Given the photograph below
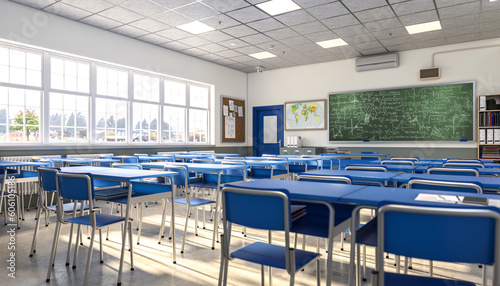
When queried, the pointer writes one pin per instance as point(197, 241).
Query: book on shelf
point(482, 102)
point(482, 136)
point(489, 136)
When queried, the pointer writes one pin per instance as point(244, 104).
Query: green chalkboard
point(424, 113)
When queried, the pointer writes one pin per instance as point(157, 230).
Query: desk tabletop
point(196, 166)
point(117, 174)
point(355, 175)
point(486, 182)
point(6, 164)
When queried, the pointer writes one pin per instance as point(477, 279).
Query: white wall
point(316, 81)
point(27, 25)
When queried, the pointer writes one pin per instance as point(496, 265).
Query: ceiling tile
point(272, 46)
point(220, 22)
point(311, 3)
point(247, 14)
point(174, 34)
point(370, 52)
point(303, 60)
point(340, 21)
point(351, 31)
point(176, 46)
point(488, 6)
point(153, 39)
point(463, 30)
point(129, 31)
point(345, 52)
point(226, 5)
point(367, 46)
point(307, 48)
point(459, 10)
point(430, 43)
point(172, 4)
point(216, 36)
point(197, 11)
point(492, 25)
point(490, 34)
point(328, 10)
point(210, 57)
point(386, 34)
point(439, 34)
point(225, 62)
point(266, 25)
point(101, 22)
point(213, 48)
point(295, 41)
point(492, 15)
point(375, 14)
point(239, 31)
point(295, 18)
point(39, 4)
point(233, 44)
point(410, 7)
point(322, 36)
point(194, 52)
point(256, 39)
point(396, 41)
point(445, 3)
point(326, 58)
point(278, 62)
point(194, 41)
point(400, 48)
point(93, 6)
point(249, 50)
point(359, 5)
point(291, 54)
point(311, 27)
point(149, 25)
point(282, 33)
point(360, 38)
point(116, 2)
point(229, 54)
point(67, 11)
point(419, 18)
point(146, 8)
point(462, 38)
point(243, 59)
point(121, 15)
point(460, 21)
point(386, 24)
point(172, 18)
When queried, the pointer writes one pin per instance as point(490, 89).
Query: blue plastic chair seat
point(272, 255)
point(411, 280)
point(194, 201)
point(101, 220)
point(368, 233)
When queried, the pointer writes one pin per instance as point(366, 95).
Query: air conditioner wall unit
point(377, 62)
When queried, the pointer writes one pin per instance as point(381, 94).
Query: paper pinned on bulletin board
point(240, 111)
point(230, 127)
point(231, 105)
point(226, 110)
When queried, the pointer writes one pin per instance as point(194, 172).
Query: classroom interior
point(142, 38)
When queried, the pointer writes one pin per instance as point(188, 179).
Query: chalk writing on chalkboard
point(426, 113)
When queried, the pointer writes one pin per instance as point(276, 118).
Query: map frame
point(294, 127)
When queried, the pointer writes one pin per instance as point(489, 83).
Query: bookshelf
point(489, 127)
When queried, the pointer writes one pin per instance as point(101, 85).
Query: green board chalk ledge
point(420, 113)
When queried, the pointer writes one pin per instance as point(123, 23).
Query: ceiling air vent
point(377, 62)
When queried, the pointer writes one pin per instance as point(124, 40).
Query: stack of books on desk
point(490, 152)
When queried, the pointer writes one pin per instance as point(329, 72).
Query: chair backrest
point(367, 168)
point(103, 156)
point(234, 158)
point(463, 165)
point(405, 158)
point(463, 161)
point(325, 179)
point(445, 186)
point(78, 187)
point(268, 155)
point(141, 154)
point(181, 177)
point(203, 161)
point(130, 159)
point(456, 233)
point(398, 162)
point(453, 171)
point(368, 158)
point(127, 166)
point(47, 179)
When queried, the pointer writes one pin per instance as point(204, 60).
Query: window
point(198, 96)
point(112, 82)
point(69, 75)
point(68, 118)
point(111, 120)
point(174, 124)
point(175, 92)
point(145, 125)
point(19, 115)
point(146, 88)
point(20, 67)
point(198, 126)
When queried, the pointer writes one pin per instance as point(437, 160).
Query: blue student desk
point(395, 167)
point(379, 177)
point(80, 161)
point(345, 156)
point(128, 175)
point(488, 183)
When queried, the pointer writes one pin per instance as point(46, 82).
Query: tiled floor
point(199, 265)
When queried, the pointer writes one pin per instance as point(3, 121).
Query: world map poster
point(305, 115)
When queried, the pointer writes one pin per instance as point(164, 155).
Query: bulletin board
point(233, 119)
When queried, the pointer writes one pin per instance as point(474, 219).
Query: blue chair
point(367, 168)
point(414, 159)
point(464, 161)
point(368, 158)
point(80, 188)
point(453, 171)
point(463, 165)
point(398, 162)
point(274, 214)
point(404, 230)
point(105, 157)
point(47, 183)
point(130, 159)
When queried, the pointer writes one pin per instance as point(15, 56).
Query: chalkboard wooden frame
point(240, 122)
point(356, 102)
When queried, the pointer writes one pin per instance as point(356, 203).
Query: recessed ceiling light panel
point(276, 7)
point(195, 28)
point(424, 27)
point(332, 43)
point(262, 55)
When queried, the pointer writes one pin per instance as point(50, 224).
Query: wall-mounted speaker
point(432, 73)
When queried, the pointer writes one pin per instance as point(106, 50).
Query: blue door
point(267, 129)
